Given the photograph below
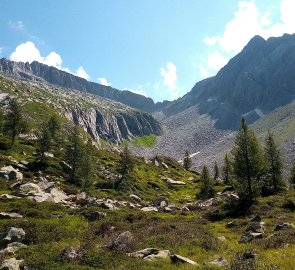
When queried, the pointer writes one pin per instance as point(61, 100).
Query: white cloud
point(104, 81)
point(82, 73)
point(247, 22)
point(169, 75)
point(28, 52)
point(17, 25)
point(139, 91)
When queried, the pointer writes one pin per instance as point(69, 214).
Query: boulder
point(12, 215)
point(256, 218)
point(135, 197)
point(150, 254)
point(220, 262)
point(149, 209)
point(96, 215)
point(123, 242)
point(12, 264)
point(232, 224)
point(71, 253)
point(256, 228)
point(58, 195)
point(283, 225)
point(249, 236)
point(170, 181)
point(10, 173)
point(179, 259)
point(30, 188)
point(13, 247)
point(10, 235)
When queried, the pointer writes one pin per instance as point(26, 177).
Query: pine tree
point(75, 155)
point(14, 123)
point(248, 163)
point(273, 182)
point(44, 144)
point(216, 171)
point(207, 190)
point(87, 166)
point(187, 161)
point(292, 176)
point(227, 169)
point(54, 125)
point(1, 121)
point(126, 166)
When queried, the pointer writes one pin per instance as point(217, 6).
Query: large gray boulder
point(10, 173)
point(175, 258)
point(12, 215)
point(150, 254)
point(11, 234)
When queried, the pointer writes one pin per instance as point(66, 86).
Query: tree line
point(251, 169)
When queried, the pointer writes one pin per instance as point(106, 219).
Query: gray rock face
point(40, 73)
point(256, 81)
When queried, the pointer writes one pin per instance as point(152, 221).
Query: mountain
point(100, 117)
point(255, 82)
point(39, 72)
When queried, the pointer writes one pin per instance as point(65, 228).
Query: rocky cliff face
point(43, 73)
point(100, 117)
point(255, 82)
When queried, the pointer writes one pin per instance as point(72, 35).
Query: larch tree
point(227, 169)
point(207, 190)
point(292, 176)
point(273, 181)
point(216, 171)
point(187, 161)
point(248, 163)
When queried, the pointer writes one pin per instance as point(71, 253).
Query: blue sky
point(159, 48)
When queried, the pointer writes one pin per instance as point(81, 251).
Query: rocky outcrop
point(42, 73)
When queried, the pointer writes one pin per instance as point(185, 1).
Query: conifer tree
point(75, 155)
point(44, 144)
point(187, 161)
point(14, 123)
point(248, 163)
point(292, 176)
point(216, 171)
point(53, 125)
point(1, 121)
point(207, 190)
point(227, 169)
point(273, 182)
point(87, 166)
point(126, 165)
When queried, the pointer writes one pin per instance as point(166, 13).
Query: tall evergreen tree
point(292, 176)
point(53, 125)
point(87, 166)
point(14, 123)
point(216, 171)
point(187, 161)
point(273, 182)
point(44, 144)
point(227, 169)
point(126, 166)
point(248, 162)
point(207, 190)
point(1, 121)
point(75, 155)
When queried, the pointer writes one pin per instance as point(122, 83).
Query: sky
point(157, 48)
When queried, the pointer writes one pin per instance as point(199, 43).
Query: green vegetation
point(207, 190)
point(147, 141)
point(187, 161)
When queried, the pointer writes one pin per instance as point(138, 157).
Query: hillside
point(100, 117)
point(154, 222)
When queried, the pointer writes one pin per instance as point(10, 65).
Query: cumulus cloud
point(82, 73)
point(28, 52)
point(169, 75)
point(247, 22)
point(104, 81)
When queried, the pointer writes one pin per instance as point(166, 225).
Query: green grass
point(147, 141)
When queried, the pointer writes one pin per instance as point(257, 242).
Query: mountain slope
point(100, 117)
point(40, 72)
point(253, 83)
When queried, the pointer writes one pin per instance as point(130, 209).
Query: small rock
point(221, 238)
point(149, 209)
point(232, 224)
point(47, 154)
point(179, 259)
point(191, 178)
point(135, 197)
point(97, 215)
point(150, 254)
point(170, 181)
point(282, 226)
point(249, 236)
point(71, 254)
point(30, 188)
point(220, 262)
point(257, 218)
point(13, 247)
point(12, 215)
